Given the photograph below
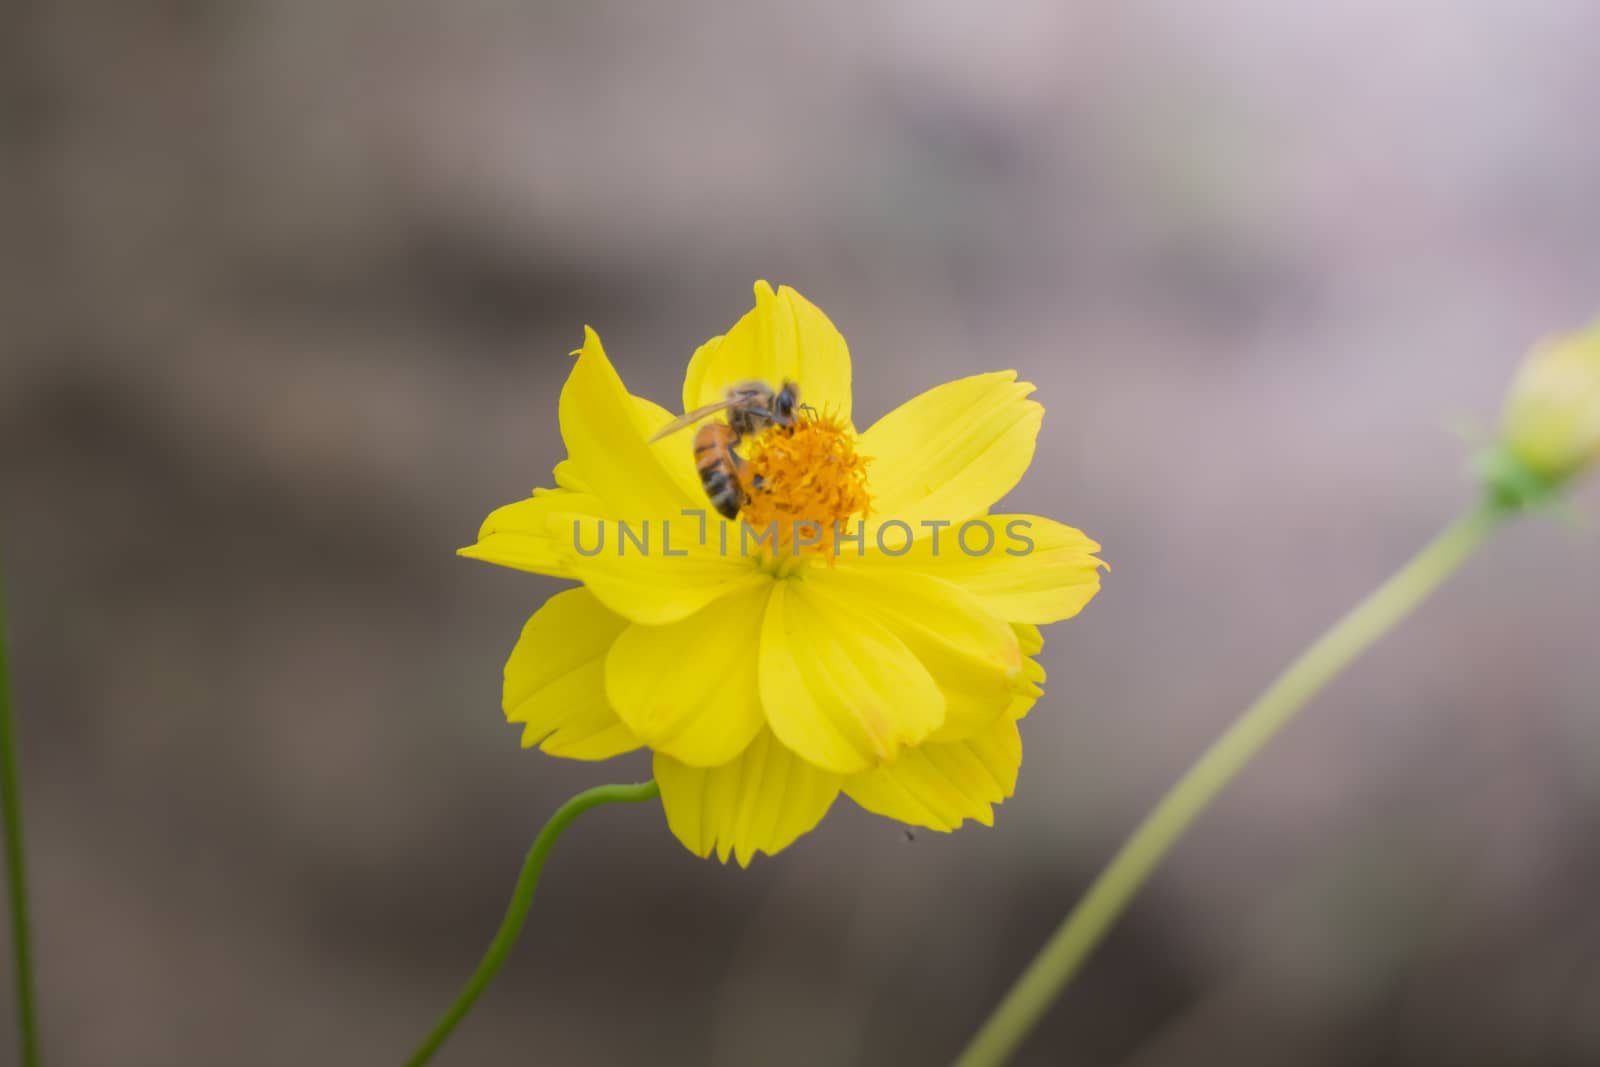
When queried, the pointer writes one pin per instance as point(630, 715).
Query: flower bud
point(1551, 424)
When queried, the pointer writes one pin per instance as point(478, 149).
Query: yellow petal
point(689, 688)
point(839, 688)
point(555, 680)
point(1029, 637)
point(1028, 691)
point(519, 535)
point(760, 802)
point(605, 430)
point(657, 571)
point(1022, 567)
point(938, 785)
point(675, 452)
point(973, 656)
point(951, 452)
point(783, 338)
point(567, 477)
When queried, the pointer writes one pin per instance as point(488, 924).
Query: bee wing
point(692, 417)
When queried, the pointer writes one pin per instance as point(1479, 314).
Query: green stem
point(521, 900)
point(16, 864)
point(1063, 955)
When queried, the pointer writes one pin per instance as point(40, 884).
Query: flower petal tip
point(590, 338)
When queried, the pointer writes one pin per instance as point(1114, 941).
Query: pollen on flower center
point(807, 473)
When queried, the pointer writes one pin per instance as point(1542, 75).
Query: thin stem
point(16, 863)
point(521, 900)
point(1063, 955)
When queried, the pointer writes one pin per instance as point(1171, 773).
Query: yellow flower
point(1551, 423)
point(879, 642)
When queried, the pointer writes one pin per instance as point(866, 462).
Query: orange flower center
point(809, 480)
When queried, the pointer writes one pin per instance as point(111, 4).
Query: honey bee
point(751, 408)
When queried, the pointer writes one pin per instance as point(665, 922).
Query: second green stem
point(1063, 955)
point(521, 901)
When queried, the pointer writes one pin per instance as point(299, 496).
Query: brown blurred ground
point(285, 297)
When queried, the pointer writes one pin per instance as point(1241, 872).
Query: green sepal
point(1510, 485)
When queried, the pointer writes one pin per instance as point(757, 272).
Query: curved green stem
point(521, 900)
point(16, 862)
point(1063, 955)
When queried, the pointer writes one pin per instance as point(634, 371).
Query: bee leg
point(741, 470)
point(753, 482)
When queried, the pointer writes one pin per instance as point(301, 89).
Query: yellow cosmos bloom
point(881, 644)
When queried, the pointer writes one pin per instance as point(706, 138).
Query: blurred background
point(286, 296)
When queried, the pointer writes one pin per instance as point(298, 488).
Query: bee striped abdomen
point(720, 467)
